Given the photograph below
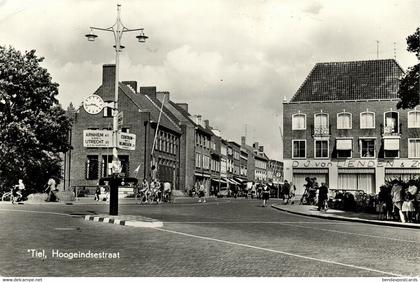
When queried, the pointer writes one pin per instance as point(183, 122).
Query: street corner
point(126, 220)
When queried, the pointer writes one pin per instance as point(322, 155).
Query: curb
point(134, 223)
point(343, 218)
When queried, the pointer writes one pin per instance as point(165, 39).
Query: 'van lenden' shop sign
point(357, 164)
point(103, 139)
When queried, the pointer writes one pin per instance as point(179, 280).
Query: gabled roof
point(188, 118)
point(356, 80)
point(144, 102)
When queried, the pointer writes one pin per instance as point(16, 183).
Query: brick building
point(275, 171)
point(342, 126)
point(257, 161)
point(86, 163)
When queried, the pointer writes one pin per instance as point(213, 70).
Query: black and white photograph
point(244, 140)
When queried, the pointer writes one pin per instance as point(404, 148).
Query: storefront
point(356, 179)
point(402, 173)
point(299, 175)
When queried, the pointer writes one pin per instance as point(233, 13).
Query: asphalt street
point(234, 237)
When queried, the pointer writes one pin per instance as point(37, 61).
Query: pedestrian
point(167, 191)
point(286, 192)
point(322, 196)
point(259, 190)
point(265, 194)
point(253, 190)
point(201, 193)
point(97, 193)
point(382, 203)
point(51, 187)
point(408, 206)
point(292, 194)
point(398, 199)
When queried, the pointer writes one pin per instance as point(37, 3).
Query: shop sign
point(97, 138)
point(126, 141)
point(356, 164)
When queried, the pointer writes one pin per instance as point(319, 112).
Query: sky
point(233, 61)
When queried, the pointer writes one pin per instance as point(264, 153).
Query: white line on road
point(350, 233)
point(280, 252)
point(261, 222)
point(30, 211)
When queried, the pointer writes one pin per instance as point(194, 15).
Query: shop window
point(414, 119)
point(414, 148)
point(367, 120)
point(391, 123)
point(344, 121)
point(92, 167)
point(367, 148)
point(299, 149)
point(321, 149)
point(299, 122)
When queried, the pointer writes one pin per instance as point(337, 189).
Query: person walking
point(201, 193)
point(286, 192)
point(322, 196)
point(51, 187)
point(292, 194)
point(97, 193)
point(265, 194)
point(398, 199)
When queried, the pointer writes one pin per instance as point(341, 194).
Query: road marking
point(261, 222)
point(31, 211)
point(280, 252)
point(351, 233)
point(66, 228)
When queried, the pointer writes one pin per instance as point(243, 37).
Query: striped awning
point(402, 170)
point(356, 170)
point(218, 180)
point(310, 170)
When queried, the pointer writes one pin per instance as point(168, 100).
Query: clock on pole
point(93, 104)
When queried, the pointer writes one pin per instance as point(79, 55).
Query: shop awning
point(310, 170)
point(402, 170)
point(218, 180)
point(240, 180)
point(344, 144)
point(392, 144)
point(233, 181)
point(356, 170)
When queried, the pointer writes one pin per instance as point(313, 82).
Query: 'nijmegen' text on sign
point(97, 138)
point(126, 141)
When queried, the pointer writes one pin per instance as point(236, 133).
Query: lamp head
point(141, 37)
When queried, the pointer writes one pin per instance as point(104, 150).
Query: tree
point(33, 126)
point(409, 91)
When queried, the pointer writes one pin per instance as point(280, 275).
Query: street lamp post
point(117, 29)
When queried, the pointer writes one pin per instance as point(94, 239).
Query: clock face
point(93, 104)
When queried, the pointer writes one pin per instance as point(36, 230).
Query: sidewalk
point(308, 210)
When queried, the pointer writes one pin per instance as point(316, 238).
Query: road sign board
point(126, 141)
point(120, 118)
point(97, 138)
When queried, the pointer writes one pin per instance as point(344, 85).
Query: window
point(414, 148)
point(299, 149)
point(108, 110)
point(125, 130)
point(344, 148)
point(321, 120)
point(414, 119)
point(206, 162)
point(391, 123)
point(92, 166)
point(197, 160)
point(321, 148)
point(391, 147)
point(344, 121)
point(367, 120)
point(367, 148)
point(298, 122)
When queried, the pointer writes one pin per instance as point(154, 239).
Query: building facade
point(343, 128)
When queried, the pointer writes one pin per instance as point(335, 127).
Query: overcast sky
point(232, 61)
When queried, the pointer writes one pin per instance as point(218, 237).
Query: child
point(408, 206)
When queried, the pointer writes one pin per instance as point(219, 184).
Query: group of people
point(19, 190)
point(399, 200)
point(155, 191)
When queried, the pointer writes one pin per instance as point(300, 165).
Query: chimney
point(255, 145)
point(161, 94)
point(261, 149)
point(108, 82)
point(206, 123)
point(199, 120)
point(183, 106)
point(243, 140)
point(131, 84)
point(148, 90)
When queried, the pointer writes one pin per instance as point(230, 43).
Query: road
point(234, 237)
